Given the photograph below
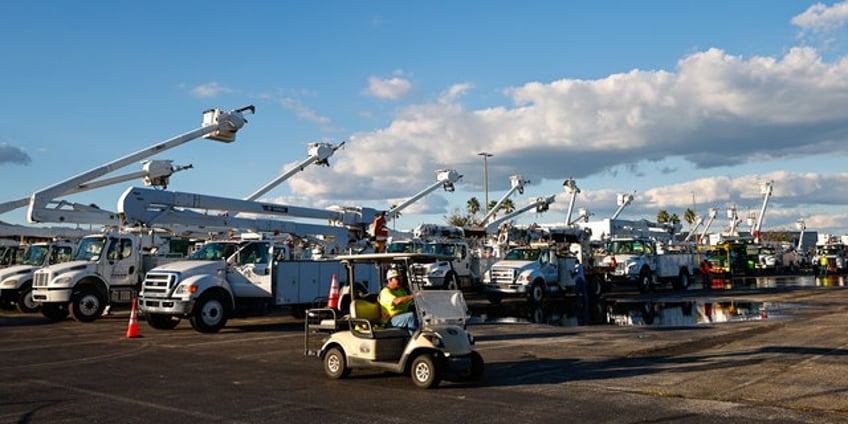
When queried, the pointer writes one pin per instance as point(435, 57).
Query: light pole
point(486, 156)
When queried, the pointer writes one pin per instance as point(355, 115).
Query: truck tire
point(87, 304)
point(451, 282)
point(54, 312)
point(645, 281)
point(494, 298)
point(209, 314)
point(425, 371)
point(596, 286)
point(537, 292)
point(335, 364)
point(682, 282)
point(162, 321)
point(25, 304)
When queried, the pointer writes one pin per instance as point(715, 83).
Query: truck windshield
point(90, 248)
point(625, 246)
point(522, 255)
point(214, 251)
point(35, 255)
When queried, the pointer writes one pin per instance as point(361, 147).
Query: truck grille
point(503, 275)
point(40, 279)
point(159, 284)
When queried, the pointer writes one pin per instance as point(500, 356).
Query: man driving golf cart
point(395, 304)
point(439, 346)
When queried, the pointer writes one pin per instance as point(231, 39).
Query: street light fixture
point(486, 156)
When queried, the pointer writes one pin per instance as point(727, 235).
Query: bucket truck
point(108, 266)
point(16, 281)
point(766, 191)
point(516, 184)
point(209, 289)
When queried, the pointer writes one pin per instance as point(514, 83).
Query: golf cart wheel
point(335, 364)
point(425, 371)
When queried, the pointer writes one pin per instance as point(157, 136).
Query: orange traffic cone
point(132, 328)
point(333, 299)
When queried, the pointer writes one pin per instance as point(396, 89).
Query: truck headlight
point(185, 288)
point(9, 283)
point(66, 280)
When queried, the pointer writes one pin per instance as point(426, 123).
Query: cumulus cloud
point(389, 88)
point(14, 155)
point(212, 89)
point(822, 18)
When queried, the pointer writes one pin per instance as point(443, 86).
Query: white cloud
point(822, 18)
point(212, 89)
point(390, 88)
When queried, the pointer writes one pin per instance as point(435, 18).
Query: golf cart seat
point(365, 322)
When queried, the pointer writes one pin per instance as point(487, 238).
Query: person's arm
point(402, 299)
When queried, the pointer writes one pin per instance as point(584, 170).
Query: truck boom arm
point(217, 125)
point(317, 153)
point(445, 178)
point(540, 204)
point(517, 184)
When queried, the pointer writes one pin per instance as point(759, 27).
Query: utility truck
point(16, 281)
point(645, 262)
point(542, 269)
point(106, 269)
point(11, 253)
point(462, 273)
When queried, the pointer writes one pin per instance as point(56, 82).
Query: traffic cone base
point(132, 327)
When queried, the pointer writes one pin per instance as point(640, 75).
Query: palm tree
point(508, 206)
point(473, 206)
point(663, 216)
point(689, 216)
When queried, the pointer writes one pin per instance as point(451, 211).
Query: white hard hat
point(393, 273)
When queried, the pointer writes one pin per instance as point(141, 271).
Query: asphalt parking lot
point(783, 363)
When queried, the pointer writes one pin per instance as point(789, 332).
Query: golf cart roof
point(394, 257)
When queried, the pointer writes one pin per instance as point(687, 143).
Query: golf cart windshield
point(441, 307)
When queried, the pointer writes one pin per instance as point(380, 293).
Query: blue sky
point(675, 101)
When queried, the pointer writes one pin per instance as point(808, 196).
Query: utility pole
point(486, 156)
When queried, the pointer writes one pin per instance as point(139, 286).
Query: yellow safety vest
point(387, 309)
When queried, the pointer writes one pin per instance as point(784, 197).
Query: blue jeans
point(407, 320)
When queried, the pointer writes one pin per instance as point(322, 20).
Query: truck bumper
point(163, 305)
point(62, 295)
point(506, 288)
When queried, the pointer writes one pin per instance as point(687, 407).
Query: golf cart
point(353, 337)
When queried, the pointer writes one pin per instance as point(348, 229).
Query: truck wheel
point(494, 298)
point(25, 303)
point(476, 371)
point(209, 314)
point(537, 292)
point(644, 281)
point(54, 311)
point(682, 282)
point(596, 286)
point(87, 304)
point(335, 364)
point(162, 321)
point(451, 282)
point(425, 371)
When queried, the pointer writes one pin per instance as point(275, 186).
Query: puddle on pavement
point(631, 312)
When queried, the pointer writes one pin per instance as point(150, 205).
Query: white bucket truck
point(539, 270)
point(16, 281)
point(645, 262)
point(107, 268)
point(237, 278)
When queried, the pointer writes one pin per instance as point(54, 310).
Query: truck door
point(249, 272)
point(120, 266)
point(549, 268)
